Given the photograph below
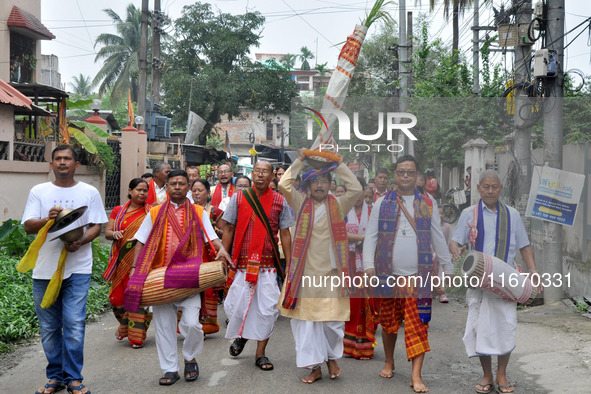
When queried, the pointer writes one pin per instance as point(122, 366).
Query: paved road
point(553, 354)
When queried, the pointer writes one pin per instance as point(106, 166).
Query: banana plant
point(76, 128)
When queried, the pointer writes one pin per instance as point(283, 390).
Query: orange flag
point(63, 122)
point(130, 117)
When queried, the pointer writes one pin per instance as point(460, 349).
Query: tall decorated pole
point(336, 92)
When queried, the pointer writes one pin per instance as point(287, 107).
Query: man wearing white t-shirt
point(401, 231)
point(63, 323)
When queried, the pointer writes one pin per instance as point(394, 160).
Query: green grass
point(17, 310)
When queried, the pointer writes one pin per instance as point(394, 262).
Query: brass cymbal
point(67, 217)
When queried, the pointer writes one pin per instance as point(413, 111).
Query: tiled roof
point(11, 96)
point(20, 19)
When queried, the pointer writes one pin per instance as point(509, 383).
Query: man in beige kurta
point(318, 319)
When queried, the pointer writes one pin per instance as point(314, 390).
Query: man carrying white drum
point(497, 230)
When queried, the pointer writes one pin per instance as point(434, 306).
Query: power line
point(82, 15)
point(313, 28)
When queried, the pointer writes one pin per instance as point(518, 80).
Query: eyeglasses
point(222, 172)
point(409, 173)
point(259, 171)
point(490, 187)
point(319, 181)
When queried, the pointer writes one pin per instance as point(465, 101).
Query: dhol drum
point(154, 293)
point(493, 275)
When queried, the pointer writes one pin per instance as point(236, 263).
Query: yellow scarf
point(30, 259)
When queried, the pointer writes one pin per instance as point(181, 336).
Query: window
point(269, 131)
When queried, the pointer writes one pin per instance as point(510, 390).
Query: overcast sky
point(290, 24)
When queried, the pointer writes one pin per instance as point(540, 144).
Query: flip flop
point(501, 387)
point(172, 376)
point(490, 386)
point(56, 386)
point(237, 346)
point(79, 387)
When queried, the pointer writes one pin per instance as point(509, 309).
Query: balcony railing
point(29, 151)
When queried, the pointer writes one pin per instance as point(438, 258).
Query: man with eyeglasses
point(401, 231)
point(224, 189)
point(254, 217)
point(321, 251)
point(495, 229)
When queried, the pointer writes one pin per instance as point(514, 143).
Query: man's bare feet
point(315, 375)
point(388, 370)
point(333, 369)
point(418, 386)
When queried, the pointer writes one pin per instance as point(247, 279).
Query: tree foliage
point(82, 85)
point(120, 55)
point(289, 60)
point(305, 54)
point(210, 54)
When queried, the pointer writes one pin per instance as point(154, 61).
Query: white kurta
point(492, 320)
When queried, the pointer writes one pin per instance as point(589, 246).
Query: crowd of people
point(277, 232)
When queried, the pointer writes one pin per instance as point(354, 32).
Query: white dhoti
point(252, 315)
point(491, 325)
point(165, 322)
point(317, 341)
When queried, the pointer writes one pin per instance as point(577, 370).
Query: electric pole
point(409, 46)
point(156, 61)
point(522, 141)
point(553, 125)
point(143, 77)
point(476, 50)
point(404, 72)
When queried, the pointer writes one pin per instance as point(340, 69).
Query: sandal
point(505, 388)
point(55, 386)
point(72, 388)
point(137, 345)
point(172, 378)
point(191, 367)
point(237, 346)
point(264, 363)
point(118, 335)
point(484, 389)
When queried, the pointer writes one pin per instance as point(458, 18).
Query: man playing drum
point(171, 234)
point(492, 320)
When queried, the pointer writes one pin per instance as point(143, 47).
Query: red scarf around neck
point(216, 199)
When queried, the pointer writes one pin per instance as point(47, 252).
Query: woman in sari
point(201, 196)
point(359, 338)
point(123, 223)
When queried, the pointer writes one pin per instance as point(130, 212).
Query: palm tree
point(305, 54)
point(120, 55)
point(321, 68)
point(82, 85)
point(289, 60)
point(457, 6)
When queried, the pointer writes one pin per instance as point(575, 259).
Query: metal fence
point(113, 181)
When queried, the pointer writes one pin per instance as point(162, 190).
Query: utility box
point(511, 36)
point(545, 63)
